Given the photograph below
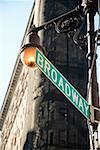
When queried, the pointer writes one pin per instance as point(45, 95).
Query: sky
point(14, 15)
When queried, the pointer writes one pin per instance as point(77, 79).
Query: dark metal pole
point(90, 7)
point(90, 10)
point(91, 46)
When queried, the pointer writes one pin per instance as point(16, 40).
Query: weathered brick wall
point(20, 116)
point(23, 110)
point(13, 131)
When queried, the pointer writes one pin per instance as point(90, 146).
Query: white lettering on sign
point(81, 105)
point(67, 90)
point(40, 61)
point(54, 75)
point(86, 108)
point(47, 68)
point(75, 97)
point(62, 84)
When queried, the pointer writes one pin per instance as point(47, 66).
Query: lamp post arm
point(62, 22)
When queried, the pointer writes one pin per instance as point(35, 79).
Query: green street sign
point(62, 84)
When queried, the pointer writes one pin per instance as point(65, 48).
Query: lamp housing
point(28, 51)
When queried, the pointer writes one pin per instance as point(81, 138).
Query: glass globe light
point(28, 51)
point(28, 56)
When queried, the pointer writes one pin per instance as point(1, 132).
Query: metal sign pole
point(90, 7)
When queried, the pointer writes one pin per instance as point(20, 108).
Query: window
point(52, 115)
point(51, 138)
point(63, 112)
point(51, 96)
point(42, 111)
point(14, 141)
point(62, 137)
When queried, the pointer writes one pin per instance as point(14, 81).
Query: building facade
point(35, 114)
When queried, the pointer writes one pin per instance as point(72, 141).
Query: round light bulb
point(28, 56)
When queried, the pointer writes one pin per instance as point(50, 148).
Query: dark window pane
point(51, 138)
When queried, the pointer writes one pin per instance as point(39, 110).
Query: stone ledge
point(10, 91)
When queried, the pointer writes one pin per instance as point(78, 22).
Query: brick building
point(34, 114)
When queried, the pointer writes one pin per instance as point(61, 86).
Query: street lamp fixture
point(28, 51)
point(69, 22)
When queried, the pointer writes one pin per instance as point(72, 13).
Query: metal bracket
point(94, 114)
point(69, 22)
point(89, 57)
